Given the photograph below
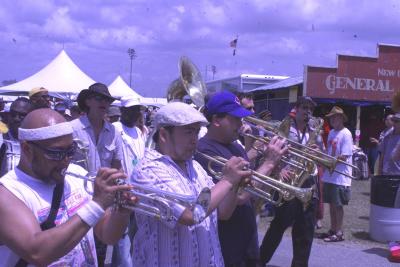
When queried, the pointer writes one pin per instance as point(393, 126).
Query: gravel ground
point(356, 218)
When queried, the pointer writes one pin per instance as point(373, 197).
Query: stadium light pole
point(132, 56)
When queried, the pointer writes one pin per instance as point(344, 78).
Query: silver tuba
point(189, 83)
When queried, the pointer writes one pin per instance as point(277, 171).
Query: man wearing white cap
point(42, 193)
point(132, 138)
point(186, 240)
point(133, 150)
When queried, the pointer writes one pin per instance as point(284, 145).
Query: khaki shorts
point(338, 195)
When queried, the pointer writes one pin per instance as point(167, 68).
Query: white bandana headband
point(44, 133)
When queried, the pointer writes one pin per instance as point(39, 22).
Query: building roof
point(281, 84)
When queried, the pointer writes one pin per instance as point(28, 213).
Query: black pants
point(291, 213)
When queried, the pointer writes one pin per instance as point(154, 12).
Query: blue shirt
point(238, 235)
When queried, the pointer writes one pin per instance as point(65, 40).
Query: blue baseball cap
point(226, 102)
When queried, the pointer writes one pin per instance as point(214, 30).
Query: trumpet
point(163, 199)
point(300, 150)
point(286, 192)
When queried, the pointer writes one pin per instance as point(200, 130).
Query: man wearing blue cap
point(238, 234)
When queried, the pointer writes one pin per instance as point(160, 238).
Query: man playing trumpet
point(237, 233)
point(38, 191)
point(185, 240)
point(292, 213)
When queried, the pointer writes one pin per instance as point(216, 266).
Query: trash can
point(384, 219)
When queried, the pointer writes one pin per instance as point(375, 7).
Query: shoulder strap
point(49, 222)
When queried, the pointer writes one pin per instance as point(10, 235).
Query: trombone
point(286, 192)
point(164, 199)
point(300, 150)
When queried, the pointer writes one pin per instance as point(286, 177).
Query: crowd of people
point(62, 169)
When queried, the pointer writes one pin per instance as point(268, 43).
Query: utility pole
point(132, 56)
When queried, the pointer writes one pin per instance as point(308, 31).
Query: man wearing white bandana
point(28, 213)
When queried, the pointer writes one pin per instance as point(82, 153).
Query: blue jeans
point(122, 253)
point(121, 256)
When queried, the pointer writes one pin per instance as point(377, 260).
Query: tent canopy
point(119, 88)
point(62, 77)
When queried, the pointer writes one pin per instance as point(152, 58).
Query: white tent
point(61, 77)
point(119, 88)
point(153, 101)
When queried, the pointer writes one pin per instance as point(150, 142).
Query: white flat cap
point(177, 114)
point(128, 101)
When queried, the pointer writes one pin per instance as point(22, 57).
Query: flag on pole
point(233, 44)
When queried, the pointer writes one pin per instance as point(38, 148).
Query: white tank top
point(37, 196)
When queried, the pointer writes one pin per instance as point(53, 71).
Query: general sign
point(357, 78)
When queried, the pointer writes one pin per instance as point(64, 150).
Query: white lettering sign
point(334, 83)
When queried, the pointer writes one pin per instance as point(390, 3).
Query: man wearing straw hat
point(337, 186)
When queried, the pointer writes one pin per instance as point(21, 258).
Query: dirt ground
point(356, 217)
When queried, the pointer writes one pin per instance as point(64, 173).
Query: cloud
point(275, 36)
point(60, 24)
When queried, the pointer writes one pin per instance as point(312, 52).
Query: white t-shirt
point(133, 145)
point(340, 143)
point(37, 196)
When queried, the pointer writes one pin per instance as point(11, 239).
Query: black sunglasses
point(102, 98)
point(56, 154)
point(14, 113)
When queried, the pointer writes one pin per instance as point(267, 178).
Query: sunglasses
point(45, 96)
point(102, 98)
point(14, 113)
point(55, 153)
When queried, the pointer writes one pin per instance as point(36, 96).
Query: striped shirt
point(168, 243)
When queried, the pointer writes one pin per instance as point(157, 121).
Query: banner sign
point(357, 78)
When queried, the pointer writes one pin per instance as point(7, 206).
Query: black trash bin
point(384, 189)
point(384, 219)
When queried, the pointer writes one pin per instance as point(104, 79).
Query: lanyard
point(302, 135)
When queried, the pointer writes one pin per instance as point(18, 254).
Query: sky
point(275, 37)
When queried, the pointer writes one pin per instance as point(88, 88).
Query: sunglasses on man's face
point(56, 154)
point(102, 98)
point(14, 114)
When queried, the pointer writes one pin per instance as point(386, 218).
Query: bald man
point(41, 193)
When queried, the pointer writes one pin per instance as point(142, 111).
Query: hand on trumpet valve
point(343, 157)
point(105, 186)
point(286, 175)
point(276, 148)
point(314, 146)
point(236, 170)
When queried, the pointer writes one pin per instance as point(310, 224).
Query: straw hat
point(337, 111)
